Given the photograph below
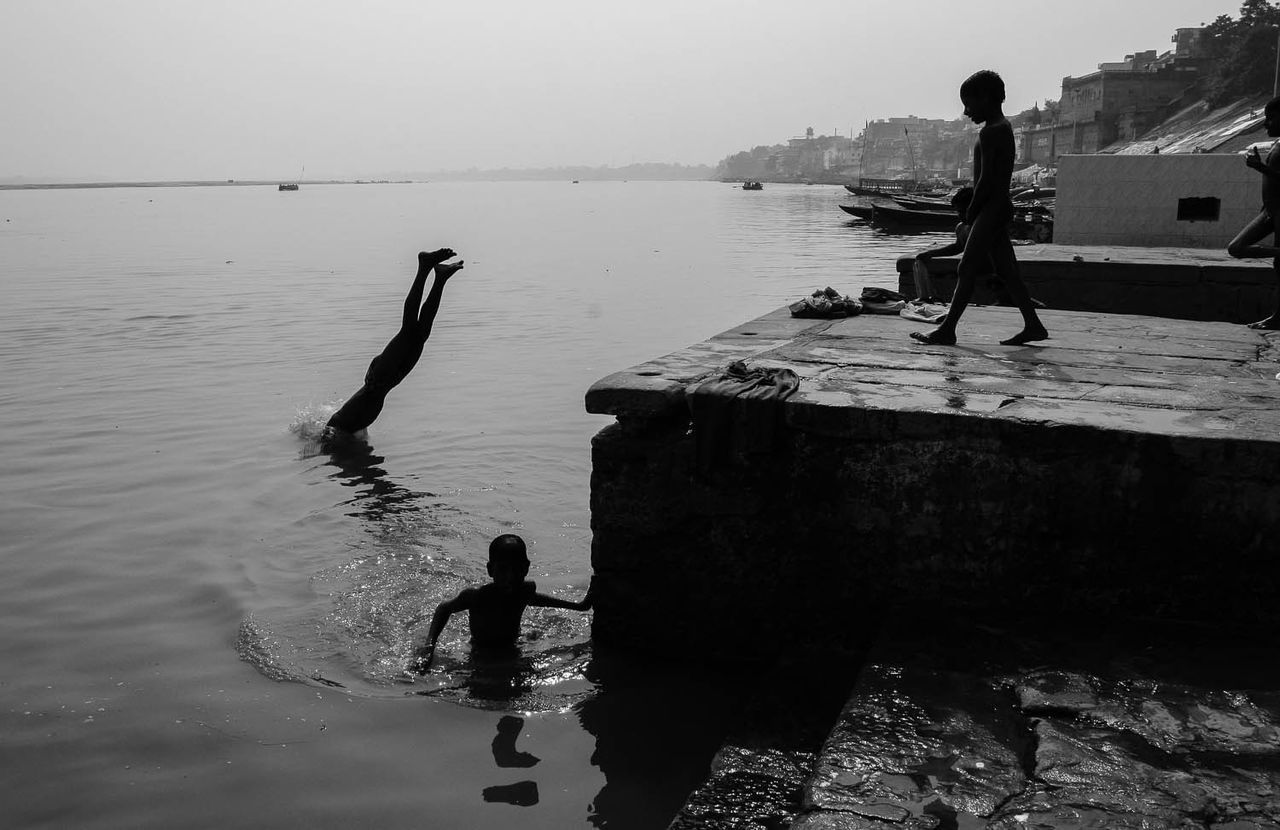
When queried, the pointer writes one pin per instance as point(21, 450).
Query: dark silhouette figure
point(990, 211)
point(505, 753)
point(402, 353)
point(494, 610)
point(1267, 223)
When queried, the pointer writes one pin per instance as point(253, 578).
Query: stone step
point(960, 727)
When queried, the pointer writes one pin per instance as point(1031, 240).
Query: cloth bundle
point(739, 409)
point(882, 301)
point(826, 304)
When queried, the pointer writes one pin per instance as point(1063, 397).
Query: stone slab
point(960, 726)
point(1138, 374)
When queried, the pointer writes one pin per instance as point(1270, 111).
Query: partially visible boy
point(920, 272)
point(495, 609)
point(1267, 223)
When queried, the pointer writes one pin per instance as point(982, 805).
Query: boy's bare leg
point(427, 316)
point(426, 261)
point(1245, 245)
point(1006, 264)
point(1272, 323)
point(976, 259)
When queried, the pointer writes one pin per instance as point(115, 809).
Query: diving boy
point(988, 215)
point(401, 354)
point(495, 609)
point(1267, 223)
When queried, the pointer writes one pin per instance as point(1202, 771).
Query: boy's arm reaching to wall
point(544, 601)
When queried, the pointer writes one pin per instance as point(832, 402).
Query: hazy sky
point(130, 89)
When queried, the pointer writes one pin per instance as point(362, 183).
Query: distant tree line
point(1243, 51)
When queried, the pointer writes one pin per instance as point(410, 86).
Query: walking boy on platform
point(988, 215)
point(495, 609)
point(401, 354)
point(1267, 223)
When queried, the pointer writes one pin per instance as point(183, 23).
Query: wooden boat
point(923, 203)
point(859, 211)
point(918, 219)
point(752, 186)
point(294, 185)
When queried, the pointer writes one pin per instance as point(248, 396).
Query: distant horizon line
point(20, 181)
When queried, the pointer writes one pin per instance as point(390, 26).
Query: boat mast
point(911, 155)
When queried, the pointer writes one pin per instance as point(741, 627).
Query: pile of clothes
point(830, 304)
point(826, 304)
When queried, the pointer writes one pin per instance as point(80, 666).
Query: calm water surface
point(206, 615)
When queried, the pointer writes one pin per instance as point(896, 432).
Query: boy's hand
point(422, 661)
point(1253, 159)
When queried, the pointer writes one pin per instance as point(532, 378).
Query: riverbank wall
point(1123, 467)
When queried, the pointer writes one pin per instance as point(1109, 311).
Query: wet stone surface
point(1102, 740)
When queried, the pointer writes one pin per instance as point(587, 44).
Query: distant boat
point(293, 185)
point(752, 186)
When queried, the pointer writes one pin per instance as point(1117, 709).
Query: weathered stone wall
point(1133, 200)
point(1127, 466)
point(856, 511)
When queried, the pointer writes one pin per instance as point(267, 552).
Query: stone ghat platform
point(1128, 466)
point(1185, 283)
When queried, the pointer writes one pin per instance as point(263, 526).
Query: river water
point(206, 613)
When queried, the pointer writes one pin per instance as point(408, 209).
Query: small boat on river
point(752, 185)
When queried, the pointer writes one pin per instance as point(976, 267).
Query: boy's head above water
point(508, 560)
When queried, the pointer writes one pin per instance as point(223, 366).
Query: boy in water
point(1267, 223)
point(988, 215)
point(495, 609)
point(402, 353)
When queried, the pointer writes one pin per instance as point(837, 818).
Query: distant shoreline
point(87, 185)
point(307, 183)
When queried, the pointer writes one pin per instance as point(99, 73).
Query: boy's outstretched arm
point(584, 604)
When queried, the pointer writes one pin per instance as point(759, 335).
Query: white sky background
point(175, 89)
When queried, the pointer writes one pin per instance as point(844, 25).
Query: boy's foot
point(1027, 335)
point(937, 337)
point(1272, 323)
point(428, 259)
point(444, 270)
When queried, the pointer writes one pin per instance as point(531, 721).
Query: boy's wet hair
point(508, 548)
point(961, 198)
point(1273, 106)
point(984, 83)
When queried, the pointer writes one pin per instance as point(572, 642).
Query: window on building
point(1199, 209)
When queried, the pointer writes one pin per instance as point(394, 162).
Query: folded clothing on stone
point(923, 312)
point(826, 303)
point(882, 301)
point(737, 409)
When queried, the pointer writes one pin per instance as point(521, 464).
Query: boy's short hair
point(1273, 106)
point(508, 548)
point(983, 83)
point(961, 198)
